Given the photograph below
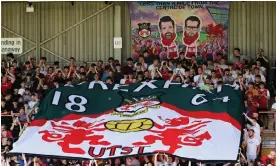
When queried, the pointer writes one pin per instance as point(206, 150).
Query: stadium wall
point(252, 26)
point(89, 40)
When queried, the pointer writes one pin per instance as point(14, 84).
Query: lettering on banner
point(115, 150)
point(200, 99)
point(144, 84)
point(77, 103)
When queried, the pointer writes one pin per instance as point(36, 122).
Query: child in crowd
point(263, 97)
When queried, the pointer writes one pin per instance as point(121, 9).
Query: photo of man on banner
point(191, 33)
point(167, 30)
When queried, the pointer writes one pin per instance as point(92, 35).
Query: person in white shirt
point(255, 126)
point(248, 76)
point(162, 160)
point(142, 61)
point(236, 73)
point(223, 64)
point(233, 74)
point(139, 68)
point(179, 68)
point(257, 72)
point(242, 57)
point(153, 67)
point(206, 70)
point(33, 102)
point(22, 89)
point(262, 69)
point(176, 162)
point(199, 79)
point(252, 145)
point(43, 66)
point(214, 79)
point(123, 80)
point(228, 78)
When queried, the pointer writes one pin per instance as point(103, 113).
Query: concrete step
point(268, 139)
point(271, 147)
point(268, 147)
point(269, 131)
point(269, 143)
point(268, 136)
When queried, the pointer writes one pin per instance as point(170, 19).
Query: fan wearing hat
point(252, 145)
point(253, 124)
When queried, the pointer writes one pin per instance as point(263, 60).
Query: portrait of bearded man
point(167, 30)
point(191, 34)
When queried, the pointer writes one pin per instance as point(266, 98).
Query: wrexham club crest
point(182, 130)
point(144, 30)
point(132, 106)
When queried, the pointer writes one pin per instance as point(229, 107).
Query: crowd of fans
point(23, 86)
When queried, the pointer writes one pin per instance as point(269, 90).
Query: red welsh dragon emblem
point(176, 133)
point(79, 132)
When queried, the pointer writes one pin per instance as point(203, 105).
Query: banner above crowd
point(95, 120)
point(173, 29)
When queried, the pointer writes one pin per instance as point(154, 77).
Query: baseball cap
point(251, 129)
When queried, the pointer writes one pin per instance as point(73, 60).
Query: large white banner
point(162, 128)
point(95, 120)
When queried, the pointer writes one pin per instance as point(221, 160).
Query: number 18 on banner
point(79, 106)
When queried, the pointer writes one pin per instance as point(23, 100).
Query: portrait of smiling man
point(167, 30)
point(191, 34)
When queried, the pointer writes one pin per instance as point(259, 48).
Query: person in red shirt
point(164, 70)
point(129, 68)
point(252, 104)
point(263, 96)
point(251, 90)
point(87, 163)
point(130, 79)
point(238, 63)
point(218, 70)
point(32, 161)
point(5, 133)
point(50, 77)
point(6, 84)
point(72, 62)
point(69, 73)
point(269, 159)
point(40, 162)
